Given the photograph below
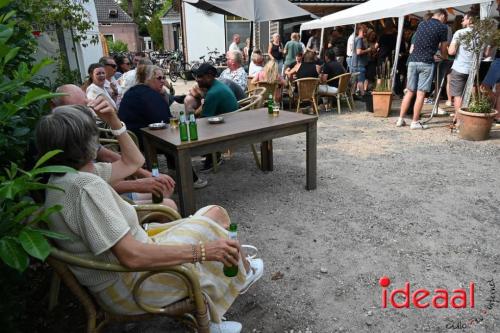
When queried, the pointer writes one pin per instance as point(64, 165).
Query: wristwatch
point(119, 131)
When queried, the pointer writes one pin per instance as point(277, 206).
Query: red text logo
point(422, 298)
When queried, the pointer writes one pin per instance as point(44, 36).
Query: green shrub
point(117, 46)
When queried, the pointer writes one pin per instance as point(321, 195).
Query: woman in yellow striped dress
point(103, 226)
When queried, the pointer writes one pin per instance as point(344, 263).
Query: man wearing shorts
point(463, 62)
point(429, 36)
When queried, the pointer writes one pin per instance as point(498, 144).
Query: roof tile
point(103, 6)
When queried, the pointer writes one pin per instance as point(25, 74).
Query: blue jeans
point(419, 76)
point(493, 75)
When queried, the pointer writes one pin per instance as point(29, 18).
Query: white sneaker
point(400, 122)
point(200, 183)
point(225, 327)
point(418, 125)
point(441, 112)
point(255, 273)
point(449, 103)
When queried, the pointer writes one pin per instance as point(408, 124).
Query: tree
point(155, 30)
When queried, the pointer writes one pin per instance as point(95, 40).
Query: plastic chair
point(307, 89)
point(193, 309)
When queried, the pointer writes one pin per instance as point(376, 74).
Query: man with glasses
point(111, 84)
point(430, 36)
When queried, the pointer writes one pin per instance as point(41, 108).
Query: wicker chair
point(250, 85)
point(342, 90)
point(307, 89)
point(193, 309)
point(270, 87)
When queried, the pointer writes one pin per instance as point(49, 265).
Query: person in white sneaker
point(430, 36)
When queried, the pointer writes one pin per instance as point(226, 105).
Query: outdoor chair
point(270, 87)
point(250, 85)
point(342, 91)
point(107, 139)
point(192, 310)
point(307, 89)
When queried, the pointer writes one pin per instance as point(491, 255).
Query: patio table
point(241, 128)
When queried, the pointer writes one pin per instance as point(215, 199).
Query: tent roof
point(379, 9)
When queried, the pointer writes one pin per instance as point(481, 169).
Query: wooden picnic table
point(241, 128)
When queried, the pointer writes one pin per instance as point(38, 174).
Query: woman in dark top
point(307, 68)
point(146, 102)
point(275, 51)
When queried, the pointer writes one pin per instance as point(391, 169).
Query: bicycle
point(177, 67)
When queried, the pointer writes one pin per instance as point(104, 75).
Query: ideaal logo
point(422, 298)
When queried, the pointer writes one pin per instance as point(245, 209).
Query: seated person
point(219, 98)
point(235, 71)
point(298, 60)
point(330, 69)
point(96, 84)
point(102, 225)
point(307, 68)
point(257, 63)
point(139, 190)
point(270, 74)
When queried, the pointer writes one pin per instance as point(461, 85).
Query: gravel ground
point(417, 206)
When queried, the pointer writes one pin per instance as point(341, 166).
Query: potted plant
point(474, 122)
point(382, 95)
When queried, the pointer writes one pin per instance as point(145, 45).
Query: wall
point(168, 37)
point(126, 32)
point(202, 30)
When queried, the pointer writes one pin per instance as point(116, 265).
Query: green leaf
point(46, 157)
point(35, 95)
point(38, 66)
point(12, 53)
point(53, 169)
point(4, 3)
point(34, 243)
point(21, 131)
point(12, 253)
point(5, 33)
point(8, 15)
point(52, 234)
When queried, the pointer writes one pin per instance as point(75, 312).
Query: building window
point(109, 38)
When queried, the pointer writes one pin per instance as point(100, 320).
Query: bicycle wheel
point(195, 66)
point(186, 72)
point(173, 72)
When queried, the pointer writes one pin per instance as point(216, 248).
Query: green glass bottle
point(193, 128)
point(183, 130)
point(231, 271)
point(270, 104)
point(156, 173)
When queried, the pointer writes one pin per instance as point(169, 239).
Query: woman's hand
point(226, 251)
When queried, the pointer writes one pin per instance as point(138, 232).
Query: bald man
point(138, 190)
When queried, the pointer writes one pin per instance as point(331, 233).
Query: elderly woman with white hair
point(275, 51)
point(102, 225)
point(235, 71)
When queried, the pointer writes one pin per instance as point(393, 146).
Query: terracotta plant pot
point(382, 101)
point(475, 126)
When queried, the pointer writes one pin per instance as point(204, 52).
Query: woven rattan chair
point(193, 309)
point(270, 87)
point(307, 90)
point(250, 85)
point(342, 90)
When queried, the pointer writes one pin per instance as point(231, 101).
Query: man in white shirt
point(350, 50)
point(234, 45)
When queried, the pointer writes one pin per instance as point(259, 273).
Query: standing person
point(96, 84)
point(462, 63)
point(292, 48)
point(339, 44)
point(234, 46)
point(313, 44)
point(111, 84)
point(349, 51)
point(371, 66)
point(235, 71)
point(430, 36)
point(246, 51)
point(275, 51)
point(360, 58)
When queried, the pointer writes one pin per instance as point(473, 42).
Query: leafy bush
point(117, 47)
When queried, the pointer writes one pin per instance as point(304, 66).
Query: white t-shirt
point(93, 91)
point(350, 45)
point(464, 57)
point(254, 69)
point(127, 80)
point(234, 47)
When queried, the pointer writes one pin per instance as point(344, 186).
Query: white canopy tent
point(378, 9)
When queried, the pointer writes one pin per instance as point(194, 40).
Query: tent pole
point(396, 51)
point(250, 47)
point(321, 42)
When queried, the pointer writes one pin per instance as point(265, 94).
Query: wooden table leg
point(185, 190)
point(311, 156)
point(150, 152)
point(266, 156)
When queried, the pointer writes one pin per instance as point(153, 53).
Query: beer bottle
point(193, 128)
point(155, 173)
point(270, 104)
point(183, 130)
point(231, 271)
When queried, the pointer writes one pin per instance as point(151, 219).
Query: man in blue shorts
point(430, 36)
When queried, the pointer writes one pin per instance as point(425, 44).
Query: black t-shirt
point(387, 44)
point(307, 69)
point(275, 52)
point(333, 69)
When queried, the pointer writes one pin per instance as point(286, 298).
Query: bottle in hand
point(156, 173)
point(183, 130)
point(270, 104)
point(231, 271)
point(193, 127)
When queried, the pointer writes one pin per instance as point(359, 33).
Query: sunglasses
point(160, 78)
point(111, 65)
